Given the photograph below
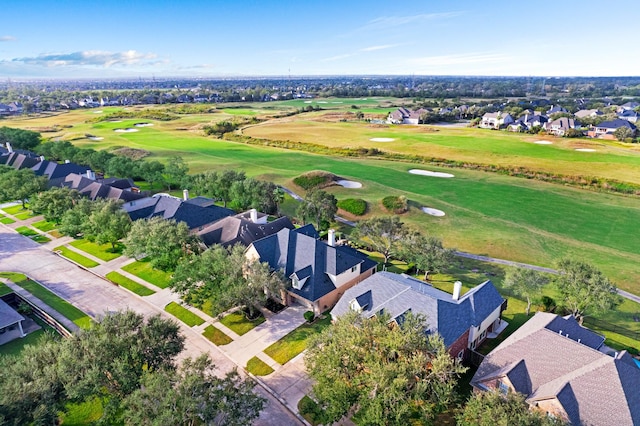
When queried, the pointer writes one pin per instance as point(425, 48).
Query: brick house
point(464, 322)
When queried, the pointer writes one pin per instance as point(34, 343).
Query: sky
point(212, 38)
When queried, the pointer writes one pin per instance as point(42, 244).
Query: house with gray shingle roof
point(607, 129)
point(559, 366)
point(319, 272)
point(463, 322)
point(495, 120)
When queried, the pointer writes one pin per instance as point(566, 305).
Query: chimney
point(185, 194)
point(9, 147)
point(67, 161)
point(253, 215)
point(457, 287)
point(332, 237)
point(91, 175)
point(42, 158)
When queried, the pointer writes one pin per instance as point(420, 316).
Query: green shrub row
point(355, 206)
point(147, 114)
point(313, 180)
point(584, 182)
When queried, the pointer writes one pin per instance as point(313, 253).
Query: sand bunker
point(115, 121)
point(336, 102)
point(429, 173)
point(544, 142)
point(349, 183)
point(127, 130)
point(432, 212)
point(382, 139)
point(143, 124)
point(322, 102)
point(97, 112)
point(95, 138)
point(307, 102)
point(585, 150)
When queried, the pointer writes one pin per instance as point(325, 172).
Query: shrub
point(313, 180)
point(355, 206)
point(309, 316)
point(395, 204)
point(548, 303)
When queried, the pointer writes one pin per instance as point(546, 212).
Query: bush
point(549, 304)
point(355, 206)
point(395, 204)
point(313, 180)
point(309, 316)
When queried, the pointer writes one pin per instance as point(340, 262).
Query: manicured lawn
point(13, 210)
point(183, 314)
point(25, 215)
point(84, 413)
point(56, 234)
point(44, 226)
point(76, 257)
point(26, 231)
point(144, 270)
point(257, 367)
point(7, 220)
point(4, 289)
point(239, 323)
point(287, 348)
point(129, 284)
point(40, 239)
point(65, 308)
point(14, 347)
point(216, 336)
point(103, 252)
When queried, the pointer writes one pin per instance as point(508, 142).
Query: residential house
point(464, 322)
point(192, 213)
point(590, 113)
point(559, 367)
point(88, 186)
point(560, 126)
point(527, 122)
point(606, 129)
point(629, 106)
point(320, 272)
point(405, 116)
point(244, 228)
point(56, 173)
point(10, 323)
point(556, 109)
point(495, 120)
point(630, 115)
point(4, 109)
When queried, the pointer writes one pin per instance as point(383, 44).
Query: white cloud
point(7, 38)
point(380, 47)
point(96, 58)
point(395, 21)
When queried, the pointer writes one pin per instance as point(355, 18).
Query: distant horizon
point(218, 39)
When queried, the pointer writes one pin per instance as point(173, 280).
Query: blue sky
point(145, 38)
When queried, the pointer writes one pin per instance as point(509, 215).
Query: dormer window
point(298, 283)
point(355, 306)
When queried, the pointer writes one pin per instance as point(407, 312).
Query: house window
point(503, 388)
point(460, 355)
point(355, 306)
point(354, 268)
point(482, 335)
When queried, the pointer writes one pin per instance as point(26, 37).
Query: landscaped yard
point(183, 314)
point(291, 345)
point(216, 336)
point(103, 252)
point(66, 309)
point(14, 210)
point(26, 231)
point(129, 284)
point(144, 270)
point(6, 220)
point(238, 322)
point(44, 226)
point(76, 257)
point(257, 367)
point(4, 289)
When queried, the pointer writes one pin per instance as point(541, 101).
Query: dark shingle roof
point(616, 124)
point(397, 294)
point(233, 230)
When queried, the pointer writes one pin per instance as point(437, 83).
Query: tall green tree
point(74, 221)
point(175, 172)
point(19, 139)
point(163, 242)
point(55, 202)
point(426, 252)
point(107, 223)
point(151, 172)
point(191, 396)
point(389, 375)
point(318, 206)
point(495, 409)
point(525, 283)
point(622, 133)
point(585, 289)
point(20, 185)
point(385, 234)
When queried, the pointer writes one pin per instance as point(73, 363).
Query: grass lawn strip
point(183, 314)
point(41, 239)
point(102, 252)
point(7, 220)
point(239, 323)
point(65, 308)
point(4, 289)
point(44, 226)
point(76, 257)
point(129, 284)
point(291, 345)
point(144, 270)
point(216, 336)
point(26, 231)
point(13, 210)
point(257, 367)
point(26, 215)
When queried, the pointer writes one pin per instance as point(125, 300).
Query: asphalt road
point(96, 296)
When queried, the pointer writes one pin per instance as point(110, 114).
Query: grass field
point(500, 216)
point(144, 270)
point(76, 257)
point(6, 220)
point(216, 336)
point(183, 314)
point(257, 367)
point(74, 314)
point(287, 348)
point(129, 284)
point(44, 226)
point(101, 251)
point(238, 322)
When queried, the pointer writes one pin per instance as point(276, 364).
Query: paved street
point(96, 296)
